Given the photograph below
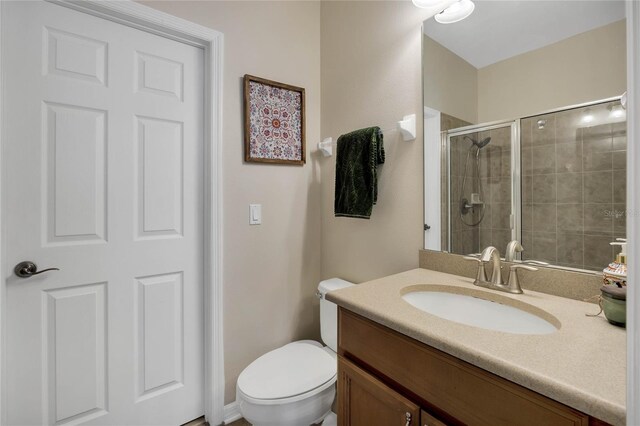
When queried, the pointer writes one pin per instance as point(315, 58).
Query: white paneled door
point(103, 178)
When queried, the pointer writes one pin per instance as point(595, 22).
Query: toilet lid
point(291, 370)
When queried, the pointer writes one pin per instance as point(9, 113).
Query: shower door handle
point(28, 269)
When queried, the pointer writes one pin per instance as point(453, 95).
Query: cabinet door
point(463, 391)
point(364, 400)
point(427, 419)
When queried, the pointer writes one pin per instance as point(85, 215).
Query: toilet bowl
point(294, 385)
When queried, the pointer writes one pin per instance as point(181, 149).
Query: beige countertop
point(582, 365)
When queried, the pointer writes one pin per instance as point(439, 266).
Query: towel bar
point(326, 147)
point(406, 127)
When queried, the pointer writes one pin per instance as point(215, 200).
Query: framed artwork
point(273, 122)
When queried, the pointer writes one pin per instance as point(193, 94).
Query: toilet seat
point(295, 384)
point(288, 374)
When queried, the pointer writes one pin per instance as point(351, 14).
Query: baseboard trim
point(200, 421)
point(231, 412)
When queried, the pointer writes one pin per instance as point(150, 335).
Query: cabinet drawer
point(456, 391)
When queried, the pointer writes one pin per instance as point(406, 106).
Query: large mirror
point(525, 131)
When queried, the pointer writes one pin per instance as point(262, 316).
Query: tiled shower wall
point(495, 180)
point(464, 239)
point(574, 186)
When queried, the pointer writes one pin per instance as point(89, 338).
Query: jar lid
point(616, 270)
point(615, 292)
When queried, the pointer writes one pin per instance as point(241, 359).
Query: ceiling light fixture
point(587, 117)
point(425, 4)
point(616, 111)
point(456, 12)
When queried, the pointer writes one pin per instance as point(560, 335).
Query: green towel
point(357, 158)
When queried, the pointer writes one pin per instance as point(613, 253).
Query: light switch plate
point(255, 214)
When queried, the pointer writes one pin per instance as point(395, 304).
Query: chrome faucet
point(491, 254)
point(512, 248)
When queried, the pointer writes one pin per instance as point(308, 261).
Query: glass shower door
point(574, 185)
point(483, 187)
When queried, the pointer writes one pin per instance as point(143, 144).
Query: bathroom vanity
point(399, 365)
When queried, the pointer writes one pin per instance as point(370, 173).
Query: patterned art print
point(275, 122)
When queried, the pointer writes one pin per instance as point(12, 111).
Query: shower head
point(484, 142)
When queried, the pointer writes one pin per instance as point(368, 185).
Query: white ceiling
point(498, 30)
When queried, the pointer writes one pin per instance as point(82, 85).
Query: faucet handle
point(535, 262)
point(481, 275)
point(521, 266)
point(514, 282)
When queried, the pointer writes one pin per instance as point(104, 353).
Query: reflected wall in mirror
point(525, 133)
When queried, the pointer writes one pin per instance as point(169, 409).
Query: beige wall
point(272, 270)
point(371, 75)
point(586, 67)
point(451, 85)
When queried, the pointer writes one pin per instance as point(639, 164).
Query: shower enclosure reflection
point(479, 185)
point(474, 203)
point(565, 200)
point(574, 185)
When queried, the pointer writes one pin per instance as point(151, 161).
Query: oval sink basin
point(479, 312)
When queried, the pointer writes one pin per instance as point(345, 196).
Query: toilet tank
point(329, 311)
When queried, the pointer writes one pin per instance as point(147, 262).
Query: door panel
point(104, 180)
point(159, 75)
point(75, 56)
point(160, 338)
point(75, 166)
point(75, 355)
point(159, 174)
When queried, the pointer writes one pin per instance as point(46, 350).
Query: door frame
point(633, 212)
point(433, 164)
point(138, 16)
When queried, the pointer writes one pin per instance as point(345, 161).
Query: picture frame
point(274, 122)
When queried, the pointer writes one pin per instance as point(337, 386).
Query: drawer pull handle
point(407, 415)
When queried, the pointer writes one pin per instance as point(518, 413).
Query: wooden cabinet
point(384, 374)
point(366, 401)
point(427, 419)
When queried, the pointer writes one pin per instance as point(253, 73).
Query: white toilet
point(295, 385)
